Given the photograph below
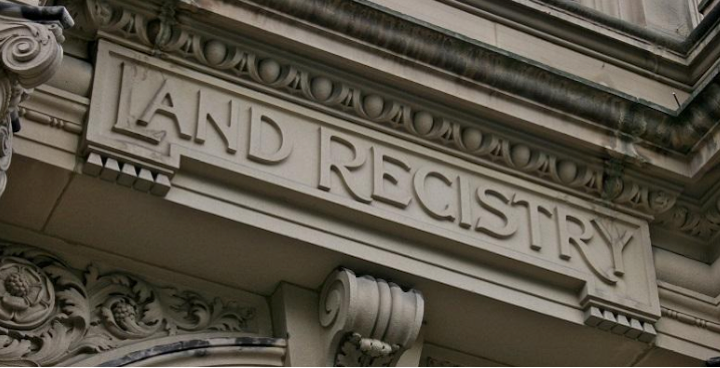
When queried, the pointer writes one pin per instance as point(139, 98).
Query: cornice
point(674, 60)
point(423, 43)
point(677, 44)
point(159, 30)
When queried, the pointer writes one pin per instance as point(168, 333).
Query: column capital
point(30, 54)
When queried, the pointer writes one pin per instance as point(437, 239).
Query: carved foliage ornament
point(700, 223)
point(30, 54)
point(164, 33)
point(367, 321)
point(50, 312)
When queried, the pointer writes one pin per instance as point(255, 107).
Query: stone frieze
point(150, 115)
point(160, 30)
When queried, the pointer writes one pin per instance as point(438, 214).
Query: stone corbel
point(30, 54)
point(368, 321)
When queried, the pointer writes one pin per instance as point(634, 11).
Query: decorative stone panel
point(151, 115)
point(50, 312)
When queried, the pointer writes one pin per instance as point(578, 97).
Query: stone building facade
point(360, 182)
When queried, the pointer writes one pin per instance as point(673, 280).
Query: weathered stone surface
point(165, 115)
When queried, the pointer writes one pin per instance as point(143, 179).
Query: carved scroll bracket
point(368, 321)
point(30, 54)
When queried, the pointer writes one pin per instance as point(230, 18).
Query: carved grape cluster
point(17, 285)
point(123, 310)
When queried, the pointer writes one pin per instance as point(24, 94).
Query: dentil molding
point(30, 54)
point(368, 321)
point(50, 312)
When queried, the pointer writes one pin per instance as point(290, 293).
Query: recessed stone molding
point(167, 36)
point(31, 54)
point(368, 321)
point(50, 312)
point(51, 121)
point(690, 320)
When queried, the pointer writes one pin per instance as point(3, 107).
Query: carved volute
point(368, 321)
point(30, 54)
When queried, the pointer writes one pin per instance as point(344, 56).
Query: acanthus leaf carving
point(358, 351)
point(50, 312)
point(702, 224)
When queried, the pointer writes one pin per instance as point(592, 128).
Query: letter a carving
point(164, 104)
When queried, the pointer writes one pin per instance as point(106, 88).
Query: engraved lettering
point(228, 132)
point(510, 221)
point(256, 152)
point(328, 163)
point(382, 175)
point(448, 211)
point(465, 201)
point(452, 198)
point(580, 242)
point(165, 104)
point(534, 211)
point(125, 119)
point(617, 241)
point(566, 238)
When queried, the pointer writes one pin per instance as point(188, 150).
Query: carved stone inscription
point(496, 211)
point(149, 111)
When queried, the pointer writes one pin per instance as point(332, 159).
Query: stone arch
point(193, 350)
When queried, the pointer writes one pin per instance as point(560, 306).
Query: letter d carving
point(256, 152)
